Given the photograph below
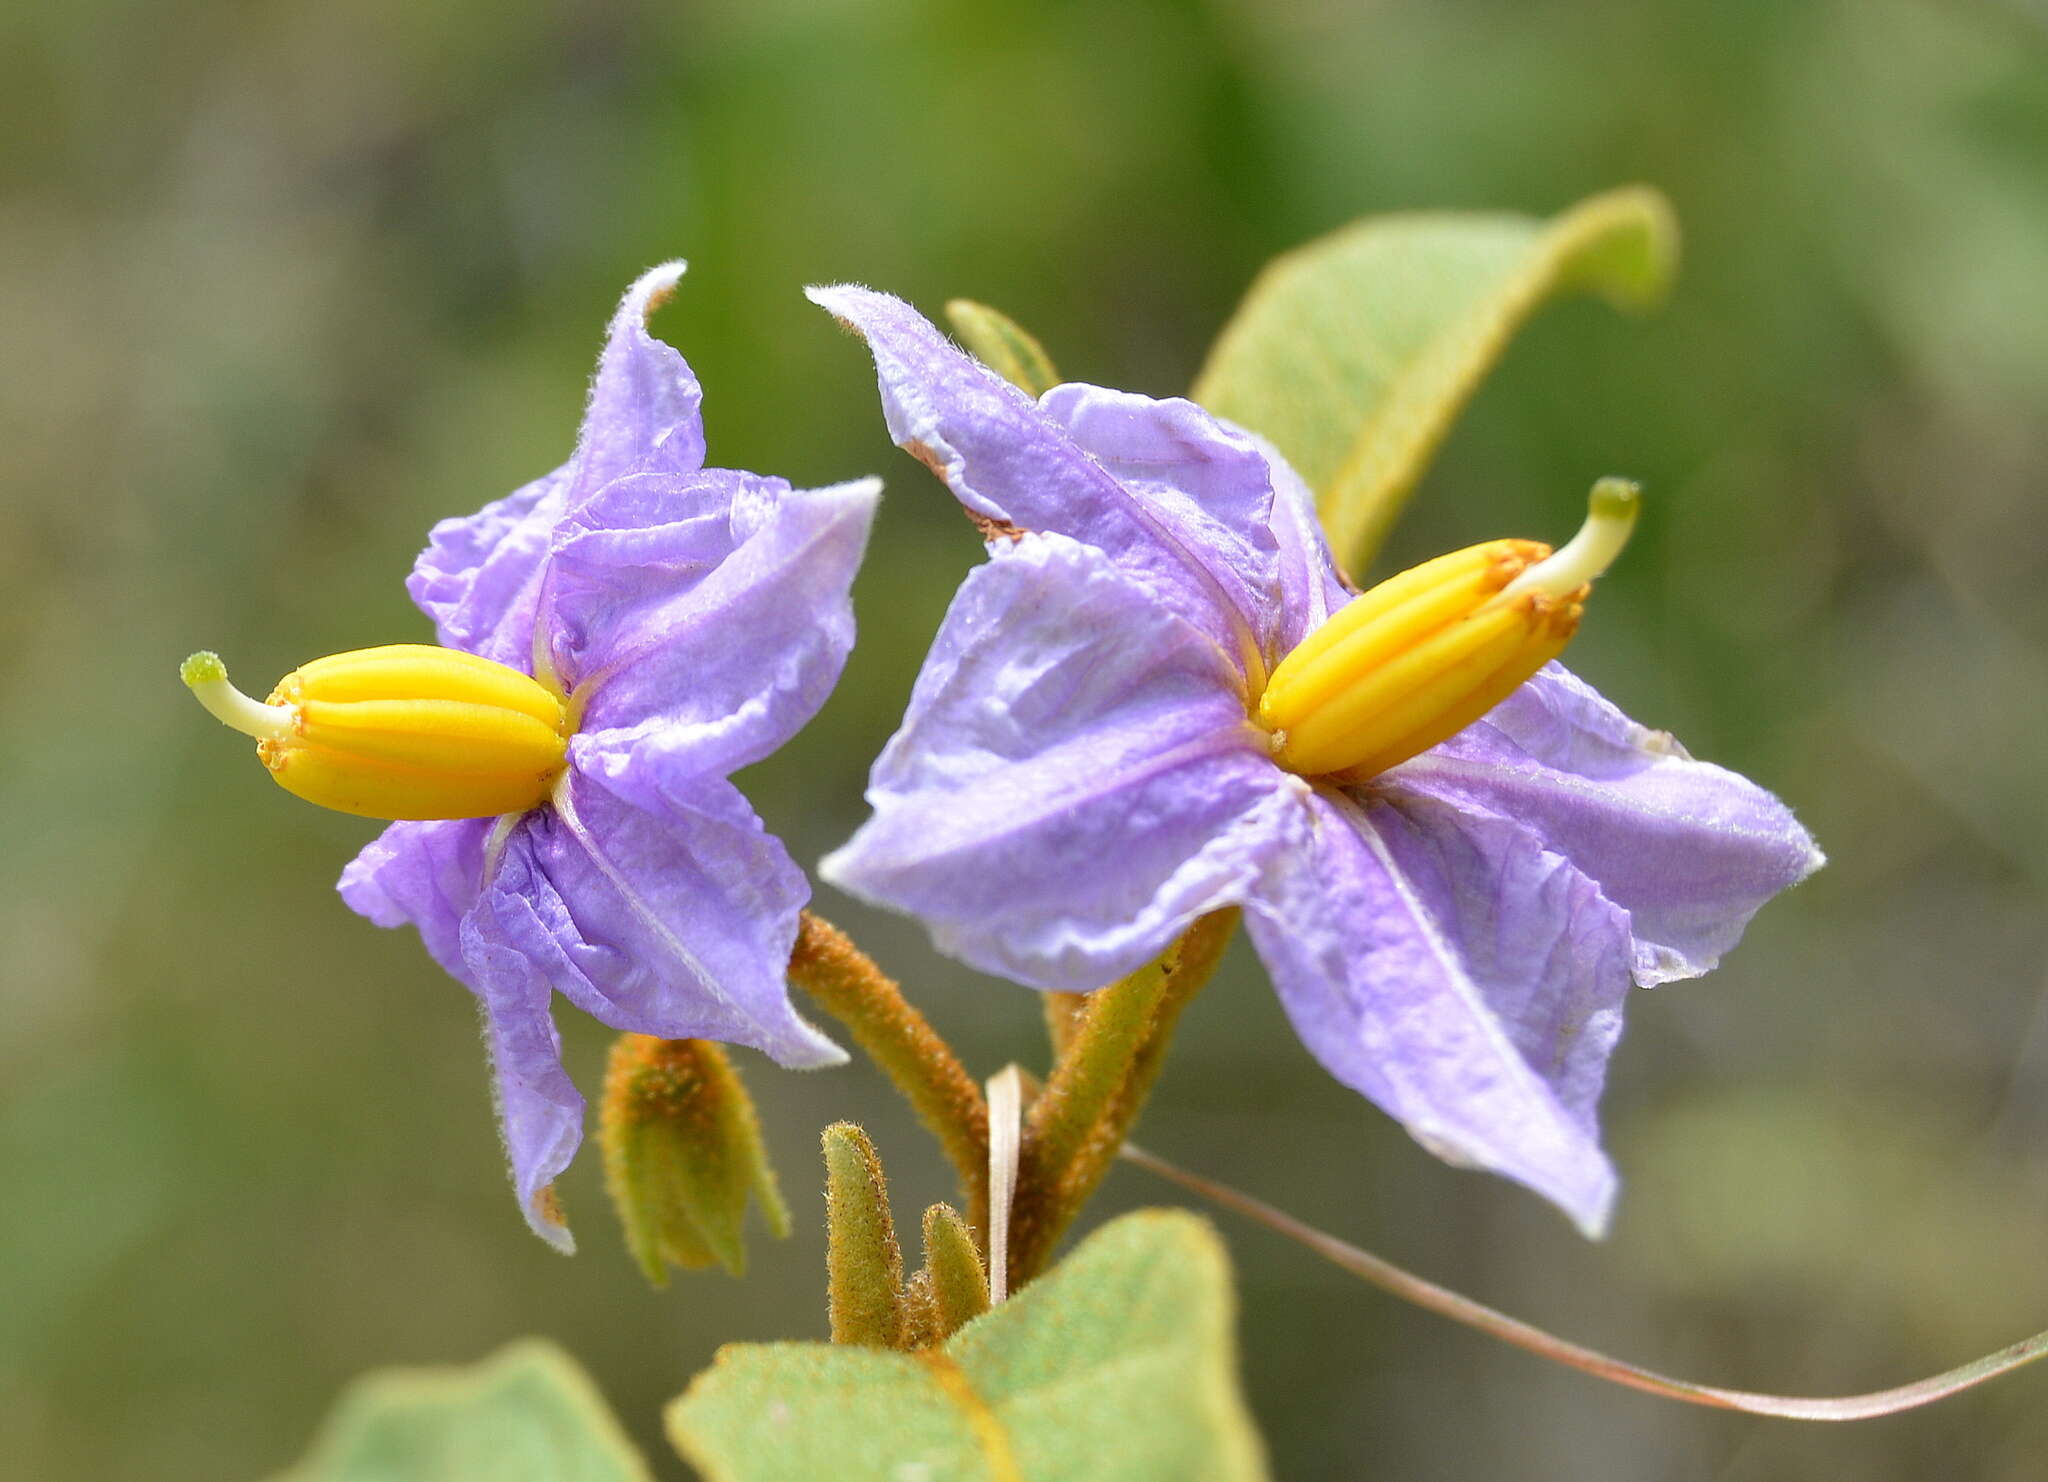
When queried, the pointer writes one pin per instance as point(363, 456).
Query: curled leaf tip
point(1637, 228)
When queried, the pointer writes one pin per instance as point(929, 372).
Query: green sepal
point(863, 1262)
point(1354, 353)
point(682, 1154)
point(525, 1414)
point(952, 1264)
point(1004, 346)
point(1117, 1366)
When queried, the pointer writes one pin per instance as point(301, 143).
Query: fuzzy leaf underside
point(525, 1414)
point(1118, 1366)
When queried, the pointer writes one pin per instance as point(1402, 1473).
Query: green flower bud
point(863, 1263)
point(682, 1152)
point(953, 1270)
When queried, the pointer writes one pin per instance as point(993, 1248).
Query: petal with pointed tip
point(1466, 979)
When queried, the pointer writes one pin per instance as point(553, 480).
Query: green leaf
point(1118, 1366)
point(525, 1414)
point(1003, 345)
point(1354, 353)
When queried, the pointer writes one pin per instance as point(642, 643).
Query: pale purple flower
point(698, 617)
point(1078, 779)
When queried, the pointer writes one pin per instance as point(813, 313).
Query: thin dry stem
point(1409, 1287)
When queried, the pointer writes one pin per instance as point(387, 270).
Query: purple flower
point(692, 619)
point(1082, 773)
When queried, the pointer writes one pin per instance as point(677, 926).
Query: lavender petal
point(1075, 781)
point(703, 618)
point(1690, 850)
point(424, 875)
point(479, 576)
point(505, 944)
point(675, 920)
point(1459, 975)
point(1022, 466)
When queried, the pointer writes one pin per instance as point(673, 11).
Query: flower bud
point(682, 1151)
point(1424, 654)
point(863, 1262)
point(408, 730)
point(956, 1280)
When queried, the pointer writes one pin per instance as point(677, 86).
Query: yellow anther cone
point(406, 731)
point(1426, 653)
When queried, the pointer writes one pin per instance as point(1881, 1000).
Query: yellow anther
point(1424, 654)
point(404, 731)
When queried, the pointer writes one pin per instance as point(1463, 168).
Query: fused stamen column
point(406, 731)
point(1426, 653)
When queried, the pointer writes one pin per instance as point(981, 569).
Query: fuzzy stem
point(901, 1041)
point(920, 1313)
point(1195, 959)
point(1063, 1015)
point(1099, 1087)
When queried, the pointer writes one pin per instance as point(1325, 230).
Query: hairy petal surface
point(672, 917)
point(1688, 849)
point(425, 875)
point(479, 576)
point(705, 617)
point(507, 945)
point(1194, 529)
point(1463, 977)
point(1075, 780)
point(643, 412)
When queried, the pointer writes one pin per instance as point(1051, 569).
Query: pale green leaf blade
point(1003, 345)
point(1354, 353)
point(525, 1414)
point(1118, 1366)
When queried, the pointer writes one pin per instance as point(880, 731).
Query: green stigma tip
point(1612, 497)
point(203, 667)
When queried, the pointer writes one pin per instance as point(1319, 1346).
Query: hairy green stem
point(1197, 954)
point(901, 1041)
point(1063, 1015)
point(1099, 1088)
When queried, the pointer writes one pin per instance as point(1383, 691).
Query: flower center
point(1424, 654)
point(408, 730)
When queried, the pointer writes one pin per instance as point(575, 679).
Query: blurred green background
point(283, 284)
